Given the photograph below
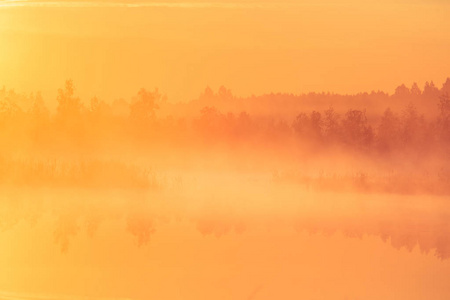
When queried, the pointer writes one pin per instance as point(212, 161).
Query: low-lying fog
point(143, 200)
point(222, 235)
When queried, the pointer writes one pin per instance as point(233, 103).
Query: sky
point(111, 49)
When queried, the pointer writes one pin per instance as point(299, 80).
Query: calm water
point(270, 241)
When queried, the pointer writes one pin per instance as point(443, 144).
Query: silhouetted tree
point(210, 123)
point(355, 130)
point(331, 125)
point(413, 129)
point(430, 91)
point(446, 87)
point(245, 126)
point(316, 125)
point(444, 117)
point(415, 90)
point(69, 115)
point(38, 108)
point(388, 131)
point(301, 125)
point(9, 109)
point(224, 93)
point(69, 106)
point(99, 109)
point(402, 92)
point(208, 93)
point(144, 106)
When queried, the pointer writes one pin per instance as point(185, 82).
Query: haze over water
point(224, 150)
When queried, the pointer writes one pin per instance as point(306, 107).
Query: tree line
point(149, 119)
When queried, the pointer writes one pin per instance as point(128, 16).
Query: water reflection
point(400, 221)
point(289, 243)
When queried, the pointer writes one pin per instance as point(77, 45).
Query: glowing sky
point(113, 48)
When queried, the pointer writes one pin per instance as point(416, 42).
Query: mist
point(313, 195)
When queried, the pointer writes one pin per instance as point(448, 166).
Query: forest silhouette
point(368, 143)
point(404, 137)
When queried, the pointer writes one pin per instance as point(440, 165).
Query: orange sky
point(111, 50)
